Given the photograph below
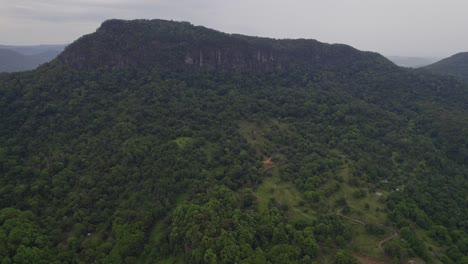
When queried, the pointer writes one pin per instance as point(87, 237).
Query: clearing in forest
point(268, 164)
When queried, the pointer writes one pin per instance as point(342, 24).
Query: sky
point(424, 28)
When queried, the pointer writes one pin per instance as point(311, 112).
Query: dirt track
point(387, 239)
point(350, 218)
point(381, 242)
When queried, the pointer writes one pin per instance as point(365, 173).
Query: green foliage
point(397, 250)
point(343, 257)
point(119, 151)
point(456, 65)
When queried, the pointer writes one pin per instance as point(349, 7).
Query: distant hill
point(412, 62)
point(456, 65)
point(22, 58)
point(33, 49)
point(12, 61)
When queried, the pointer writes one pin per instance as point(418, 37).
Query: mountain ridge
point(184, 46)
point(455, 65)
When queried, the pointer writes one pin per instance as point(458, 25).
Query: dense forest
point(456, 65)
point(154, 141)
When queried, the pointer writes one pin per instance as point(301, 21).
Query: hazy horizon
point(414, 28)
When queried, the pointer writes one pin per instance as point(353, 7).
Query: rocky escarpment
point(180, 45)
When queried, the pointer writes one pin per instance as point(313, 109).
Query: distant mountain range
point(456, 65)
point(22, 58)
point(412, 62)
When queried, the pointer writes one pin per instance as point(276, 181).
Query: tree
point(210, 257)
point(343, 257)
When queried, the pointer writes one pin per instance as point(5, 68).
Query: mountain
point(117, 44)
point(12, 61)
point(412, 62)
point(22, 58)
point(456, 65)
point(153, 141)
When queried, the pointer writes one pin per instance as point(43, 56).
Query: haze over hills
point(21, 58)
point(33, 49)
point(456, 65)
point(412, 62)
point(159, 141)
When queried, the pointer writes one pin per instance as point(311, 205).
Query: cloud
point(63, 21)
point(90, 10)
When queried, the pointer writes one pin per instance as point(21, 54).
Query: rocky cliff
point(181, 45)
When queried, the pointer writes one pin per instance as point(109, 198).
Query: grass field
point(374, 214)
point(364, 243)
point(285, 194)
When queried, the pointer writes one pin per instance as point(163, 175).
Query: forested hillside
point(456, 65)
point(154, 141)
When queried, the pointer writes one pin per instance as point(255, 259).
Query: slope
point(144, 142)
point(456, 65)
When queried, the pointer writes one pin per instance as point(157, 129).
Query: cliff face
point(180, 45)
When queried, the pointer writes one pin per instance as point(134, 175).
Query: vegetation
point(456, 65)
point(128, 149)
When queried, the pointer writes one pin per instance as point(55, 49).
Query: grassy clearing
point(369, 260)
point(374, 214)
point(364, 243)
point(183, 141)
point(285, 194)
point(254, 134)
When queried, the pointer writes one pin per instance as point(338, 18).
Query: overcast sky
point(436, 28)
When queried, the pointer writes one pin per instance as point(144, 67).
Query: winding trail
point(350, 218)
point(395, 233)
point(299, 211)
point(273, 166)
point(381, 242)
